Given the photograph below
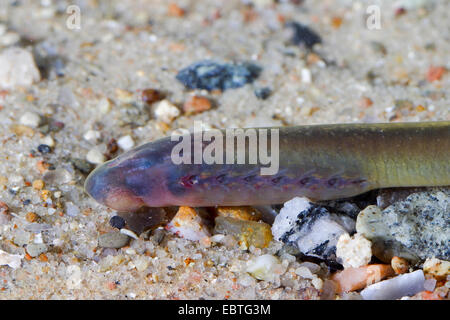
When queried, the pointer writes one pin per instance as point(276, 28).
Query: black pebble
point(43, 148)
point(211, 75)
point(303, 35)
point(263, 93)
point(117, 222)
point(26, 202)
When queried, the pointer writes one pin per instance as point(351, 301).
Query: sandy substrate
point(355, 75)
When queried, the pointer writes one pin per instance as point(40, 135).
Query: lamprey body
point(321, 162)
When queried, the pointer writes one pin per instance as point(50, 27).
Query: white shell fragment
point(403, 285)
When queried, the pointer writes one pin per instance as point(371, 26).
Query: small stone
point(35, 249)
point(435, 73)
point(104, 105)
point(125, 142)
point(48, 140)
point(196, 104)
point(306, 75)
point(83, 165)
point(211, 75)
point(399, 265)
point(113, 240)
point(311, 228)
point(12, 260)
point(166, 111)
point(72, 210)
point(92, 135)
point(241, 213)
point(437, 268)
point(31, 217)
point(352, 279)
point(304, 272)
point(407, 284)
point(124, 96)
point(303, 35)
point(264, 267)
point(415, 228)
point(263, 93)
point(30, 119)
point(174, 10)
point(94, 156)
point(117, 222)
point(18, 69)
point(43, 148)
point(38, 184)
point(353, 251)
point(248, 233)
point(151, 96)
point(188, 224)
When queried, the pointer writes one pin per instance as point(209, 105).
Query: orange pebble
point(175, 11)
point(435, 73)
point(196, 104)
point(352, 279)
point(31, 217)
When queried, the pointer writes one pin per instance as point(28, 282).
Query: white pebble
point(353, 252)
point(9, 39)
point(104, 106)
point(94, 156)
point(30, 119)
point(166, 111)
point(304, 272)
point(306, 75)
point(48, 140)
point(92, 135)
point(12, 260)
point(125, 142)
point(18, 69)
point(264, 267)
point(71, 209)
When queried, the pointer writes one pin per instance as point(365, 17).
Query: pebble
point(212, 75)
point(113, 240)
point(12, 260)
point(196, 104)
point(188, 224)
point(35, 249)
point(439, 269)
point(352, 279)
point(92, 135)
point(18, 69)
point(424, 230)
point(303, 35)
point(311, 228)
point(94, 156)
point(263, 93)
point(264, 267)
point(43, 148)
point(239, 212)
point(151, 96)
point(165, 111)
point(407, 284)
point(125, 142)
point(355, 251)
point(71, 209)
point(399, 265)
point(48, 140)
point(248, 233)
point(30, 119)
point(104, 105)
